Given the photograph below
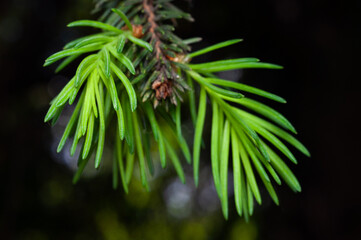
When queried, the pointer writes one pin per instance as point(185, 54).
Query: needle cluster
point(129, 89)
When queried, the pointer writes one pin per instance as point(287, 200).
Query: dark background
point(317, 42)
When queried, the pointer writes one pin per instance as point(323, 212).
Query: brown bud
point(138, 31)
point(162, 89)
point(180, 58)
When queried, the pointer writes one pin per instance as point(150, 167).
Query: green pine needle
point(124, 18)
point(198, 134)
point(214, 47)
point(95, 24)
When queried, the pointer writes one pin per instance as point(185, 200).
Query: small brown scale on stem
point(179, 58)
point(137, 30)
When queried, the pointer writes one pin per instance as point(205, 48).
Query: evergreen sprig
point(135, 74)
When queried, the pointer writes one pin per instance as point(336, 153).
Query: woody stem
point(149, 11)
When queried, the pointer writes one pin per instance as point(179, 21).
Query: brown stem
point(162, 86)
point(149, 10)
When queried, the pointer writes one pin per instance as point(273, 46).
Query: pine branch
point(136, 61)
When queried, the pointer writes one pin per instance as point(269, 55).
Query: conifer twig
point(123, 64)
point(148, 9)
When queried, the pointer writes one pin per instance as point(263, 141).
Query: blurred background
point(317, 42)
